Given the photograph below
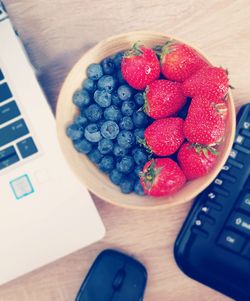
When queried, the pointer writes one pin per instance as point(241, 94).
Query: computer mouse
point(114, 276)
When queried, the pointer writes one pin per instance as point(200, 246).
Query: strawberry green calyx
point(220, 108)
point(148, 177)
point(143, 143)
point(205, 149)
point(135, 50)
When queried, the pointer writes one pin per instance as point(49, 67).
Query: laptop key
point(240, 222)
point(13, 131)
point(8, 112)
point(5, 92)
point(27, 147)
point(8, 157)
point(231, 240)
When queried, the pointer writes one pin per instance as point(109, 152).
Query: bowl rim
point(164, 205)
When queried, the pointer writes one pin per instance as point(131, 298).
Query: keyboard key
point(246, 125)
point(231, 241)
point(8, 157)
point(235, 163)
point(247, 143)
point(196, 230)
point(245, 133)
point(241, 222)
point(8, 112)
point(5, 92)
point(239, 139)
point(246, 251)
point(242, 149)
point(1, 75)
point(233, 154)
point(13, 131)
point(220, 191)
point(244, 202)
point(27, 147)
point(227, 177)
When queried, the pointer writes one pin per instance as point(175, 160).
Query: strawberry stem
point(135, 50)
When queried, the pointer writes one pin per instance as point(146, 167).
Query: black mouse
point(114, 276)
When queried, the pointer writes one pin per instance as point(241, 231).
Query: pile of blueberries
point(111, 124)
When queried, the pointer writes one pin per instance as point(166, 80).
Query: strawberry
point(140, 66)
point(179, 61)
point(163, 98)
point(164, 136)
point(210, 82)
point(203, 125)
point(196, 160)
point(161, 177)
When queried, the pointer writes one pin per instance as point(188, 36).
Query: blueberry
point(92, 133)
point(105, 146)
point(139, 134)
point(124, 92)
point(81, 121)
point(93, 113)
point(81, 98)
point(116, 177)
point(119, 151)
point(109, 129)
point(94, 71)
point(127, 186)
point(138, 169)
point(83, 146)
point(140, 119)
point(125, 139)
point(112, 113)
point(115, 99)
point(125, 164)
point(126, 123)
point(107, 83)
point(103, 98)
point(89, 85)
point(128, 108)
point(74, 132)
point(119, 77)
point(107, 163)
point(108, 65)
point(118, 59)
point(140, 156)
point(138, 188)
point(95, 156)
point(139, 99)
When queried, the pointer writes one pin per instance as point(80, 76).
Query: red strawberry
point(195, 160)
point(140, 66)
point(161, 177)
point(203, 125)
point(164, 136)
point(163, 98)
point(179, 61)
point(210, 82)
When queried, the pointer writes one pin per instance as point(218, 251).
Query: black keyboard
point(213, 246)
point(16, 144)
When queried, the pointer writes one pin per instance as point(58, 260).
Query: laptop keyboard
point(13, 128)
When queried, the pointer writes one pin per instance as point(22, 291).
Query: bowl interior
point(90, 176)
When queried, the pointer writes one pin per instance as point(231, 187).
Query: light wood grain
point(55, 34)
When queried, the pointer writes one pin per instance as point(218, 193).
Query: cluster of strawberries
point(185, 149)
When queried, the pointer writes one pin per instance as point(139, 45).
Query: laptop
point(45, 212)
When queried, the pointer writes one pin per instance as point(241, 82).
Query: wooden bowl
point(89, 175)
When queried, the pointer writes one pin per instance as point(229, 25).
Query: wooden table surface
point(56, 33)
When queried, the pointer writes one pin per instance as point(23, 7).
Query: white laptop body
point(45, 213)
